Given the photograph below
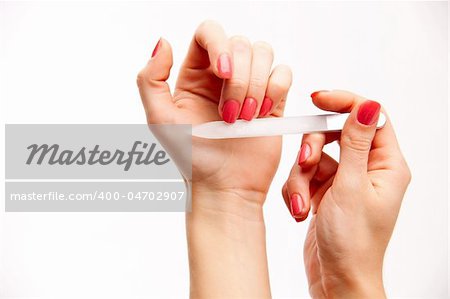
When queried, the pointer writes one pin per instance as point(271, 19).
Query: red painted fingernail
point(317, 92)
point(305, 152)
point(224, 66)
point(368, 113)
point(265, 106)
point(296, 205)
point(230, 111)
point(155, 50)
point(248, 108)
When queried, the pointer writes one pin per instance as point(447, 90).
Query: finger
point(209, 47)
point(356, 139)
point(326, 168)
point(296, 193)
point(302, 185)
point(260, 71)
point(151, 80)
point(344, 101)
point(312, 146)
point(322, 180)
point(235, 89)
point(277, 89)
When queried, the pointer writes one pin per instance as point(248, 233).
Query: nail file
point(275, 126)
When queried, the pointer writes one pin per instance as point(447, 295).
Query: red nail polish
point(248, 109)
point(155, 50)
point(305, 152)
point(224, 66)
point(317, 92)
point(296, 205)
point(368, 113)
point(230, 111)
point(265, 106)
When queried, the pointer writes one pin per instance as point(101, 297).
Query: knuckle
point(240, 41)
point(284, 190)
point(405, 175)
point(284, 69)
point(141, 78)
point(282, 78)
point(355, 143)
point(279, 85)
point(238, 85)
point(263, 46)
point(206, 24)
point(314, 139)
point(257, 83)
point(291, 182)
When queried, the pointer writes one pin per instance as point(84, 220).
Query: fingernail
point(156, 49)
point(224, 66)
point(265, 106)
point(248, 108)
point(368, 113)
point(305, 152)
point(230, 111)
point(317, 92)
point(296, 205)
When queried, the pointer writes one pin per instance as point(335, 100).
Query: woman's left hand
point(222, 78)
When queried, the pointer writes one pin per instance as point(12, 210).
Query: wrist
point(226, 204)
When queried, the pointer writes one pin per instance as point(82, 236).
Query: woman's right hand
point(355, 202)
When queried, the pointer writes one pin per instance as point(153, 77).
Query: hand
point(355, 203)
point(222, 78)
point(225, 78)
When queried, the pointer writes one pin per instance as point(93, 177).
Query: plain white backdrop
point(77, 63)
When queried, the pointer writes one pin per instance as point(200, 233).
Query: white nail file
point(275, 126)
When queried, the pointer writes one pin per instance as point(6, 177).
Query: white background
point(77, 63)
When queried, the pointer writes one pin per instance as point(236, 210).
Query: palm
point(312, 262)
point(329, 220)
point(314, 241)
point(226, 164)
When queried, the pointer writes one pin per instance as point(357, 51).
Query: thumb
point(153, 88)
point(356, 138)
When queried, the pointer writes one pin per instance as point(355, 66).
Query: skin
point(355, 203)
point(230, 178)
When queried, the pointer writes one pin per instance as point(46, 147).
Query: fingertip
point(317, 93)
point(299, 206)
point(298, 219)
point(304, 155)
point(266, 106)
point(157, 47)
point(230, 111)
point(368, 113)
point(311, 149)
point(301, 218)
point(248, 109)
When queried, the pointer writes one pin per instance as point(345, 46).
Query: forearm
point(227, 248)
